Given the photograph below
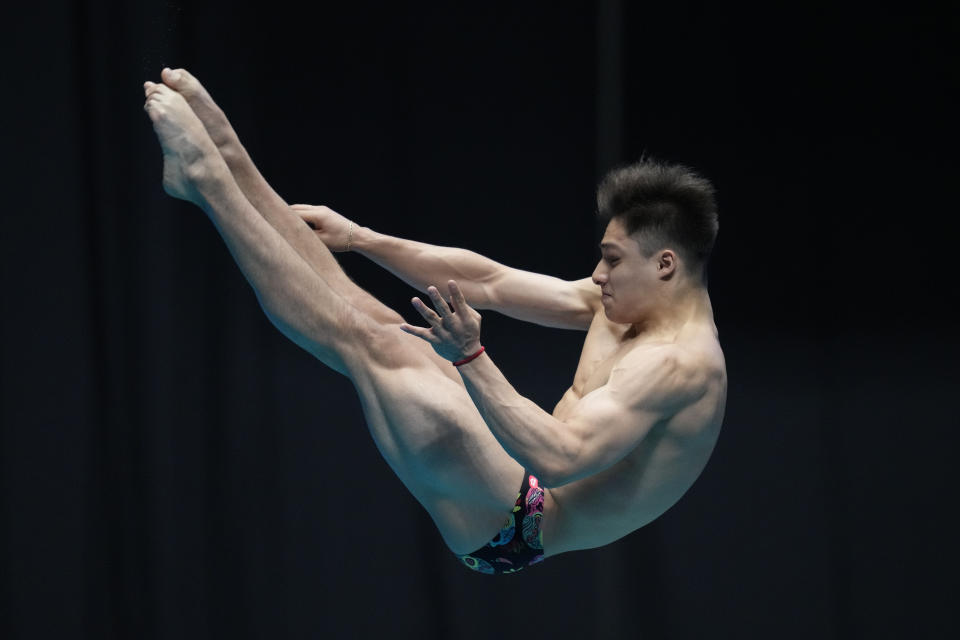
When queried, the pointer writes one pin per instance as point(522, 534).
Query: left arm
point(609, 422)
point(606, 425)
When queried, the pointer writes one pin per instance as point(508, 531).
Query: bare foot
point(212, 116)
point(189, 154)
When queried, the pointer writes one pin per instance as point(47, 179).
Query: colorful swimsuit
point(520, 542)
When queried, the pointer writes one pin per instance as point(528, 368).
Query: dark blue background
point(172, 467)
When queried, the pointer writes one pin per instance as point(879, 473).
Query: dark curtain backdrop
point(172, 467)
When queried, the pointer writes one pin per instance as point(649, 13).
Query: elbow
point(556, 477)
point(488, 288)
point(562, 467)
point(550, 479)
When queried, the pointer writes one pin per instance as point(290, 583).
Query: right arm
point(485, 283)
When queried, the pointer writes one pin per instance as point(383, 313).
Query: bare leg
point(421, 419)
point(276, 211)
point(265, 200)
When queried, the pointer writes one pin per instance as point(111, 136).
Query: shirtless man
point(624, 443)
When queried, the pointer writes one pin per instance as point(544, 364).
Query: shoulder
point(665, 376)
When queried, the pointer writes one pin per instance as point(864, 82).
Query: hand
point(330, 226)
point(454, 329)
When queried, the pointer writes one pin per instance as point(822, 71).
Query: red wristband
point(469, 358)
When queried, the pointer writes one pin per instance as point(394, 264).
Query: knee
point(384, 343)
point(388, 346)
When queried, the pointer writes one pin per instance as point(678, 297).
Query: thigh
point(427, 428)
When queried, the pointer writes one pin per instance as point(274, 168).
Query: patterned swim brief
point(520, 542)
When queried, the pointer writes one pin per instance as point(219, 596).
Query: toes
point(179, 79)
point(161, 96)
point(153, 110)
point(151, 89)
point(170, 77)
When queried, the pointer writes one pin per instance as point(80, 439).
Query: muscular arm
point(523, 295)
point(608, 423)
point(650, 384)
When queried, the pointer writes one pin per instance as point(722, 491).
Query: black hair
point(662, 204)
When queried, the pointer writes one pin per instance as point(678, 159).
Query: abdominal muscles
point(608, 505)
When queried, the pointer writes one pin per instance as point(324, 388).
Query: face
point(627, 279)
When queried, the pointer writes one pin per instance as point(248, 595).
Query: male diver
point(627, 439)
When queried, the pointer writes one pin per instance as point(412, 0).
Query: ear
point(666, 264)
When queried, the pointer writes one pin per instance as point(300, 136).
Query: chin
point(613, 317)
point(618, 316)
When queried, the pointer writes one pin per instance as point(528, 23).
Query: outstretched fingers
point(424, 333)
point(428, 314)
point(456, 296)
point(421, 332)
point(434, 319)
point(443, 309)
point(454, 328)
point(438, 302)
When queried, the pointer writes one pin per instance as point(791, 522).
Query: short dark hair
point(666, 204)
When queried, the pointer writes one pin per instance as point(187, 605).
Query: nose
point(599, 275)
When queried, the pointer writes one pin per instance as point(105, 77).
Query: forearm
point(530, 435)
point(420, 264)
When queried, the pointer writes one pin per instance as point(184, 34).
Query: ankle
point(206, 172)
point(232, 151)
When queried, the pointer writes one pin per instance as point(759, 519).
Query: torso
point(597, 510)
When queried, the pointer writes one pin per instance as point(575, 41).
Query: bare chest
point(649, 479)
point(602, 350)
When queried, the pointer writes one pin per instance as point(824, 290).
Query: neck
point(677, 307)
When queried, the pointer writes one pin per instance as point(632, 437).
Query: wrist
point(362, 238)
point(471, 355)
